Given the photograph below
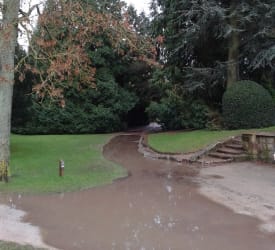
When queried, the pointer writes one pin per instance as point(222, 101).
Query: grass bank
point(175, 142)
point(14, 246)
point(34, 163)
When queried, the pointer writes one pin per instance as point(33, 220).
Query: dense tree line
point(102, 77)
point(201, 47)
point(91, 64)
point(207, 46)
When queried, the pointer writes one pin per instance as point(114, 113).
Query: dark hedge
point(247, 104)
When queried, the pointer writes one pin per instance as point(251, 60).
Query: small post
point(61, 168)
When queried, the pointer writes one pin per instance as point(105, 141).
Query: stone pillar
point(253, 145)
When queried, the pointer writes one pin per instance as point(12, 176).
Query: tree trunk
point(8, 39)
point(233, 48)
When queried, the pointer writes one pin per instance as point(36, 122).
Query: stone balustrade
point(260, 146)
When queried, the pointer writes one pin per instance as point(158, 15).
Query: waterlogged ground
point(157, 207)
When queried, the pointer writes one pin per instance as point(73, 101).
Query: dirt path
point(157, 207)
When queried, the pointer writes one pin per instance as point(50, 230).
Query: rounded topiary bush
point(247, 104)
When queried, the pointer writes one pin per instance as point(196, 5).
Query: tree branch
point(31, 9)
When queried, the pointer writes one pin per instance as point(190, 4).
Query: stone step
point(208, 160)
point(228, 156)
point(221, 155)
point(232, 151)
point(237, 140)
point(234, 146)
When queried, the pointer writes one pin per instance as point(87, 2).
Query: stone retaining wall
point(260, 146)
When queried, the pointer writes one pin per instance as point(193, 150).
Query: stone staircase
point(222, 152)
point(229, 151)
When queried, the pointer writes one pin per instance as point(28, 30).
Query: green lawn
point(175, 142)
point(14, 246)
point(34, 163)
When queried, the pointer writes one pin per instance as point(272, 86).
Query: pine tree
point(205, 36)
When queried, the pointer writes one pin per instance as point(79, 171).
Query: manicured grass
point(13, 246)
point(175, 142)
point(34, 163)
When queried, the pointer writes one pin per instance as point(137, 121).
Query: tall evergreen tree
point(209, 34)
point(205, 46)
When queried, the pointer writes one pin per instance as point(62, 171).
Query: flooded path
point(157, 207)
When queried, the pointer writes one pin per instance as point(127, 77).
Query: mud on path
point(157, 207)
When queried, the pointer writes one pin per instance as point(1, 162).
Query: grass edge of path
point(4, 245)
point(191, 141)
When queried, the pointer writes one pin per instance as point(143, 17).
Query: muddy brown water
point(156, 207)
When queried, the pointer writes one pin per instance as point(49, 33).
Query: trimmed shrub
point(247, 104)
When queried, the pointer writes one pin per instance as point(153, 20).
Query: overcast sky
point(140, 5)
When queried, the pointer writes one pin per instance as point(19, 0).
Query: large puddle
point(157, 207)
